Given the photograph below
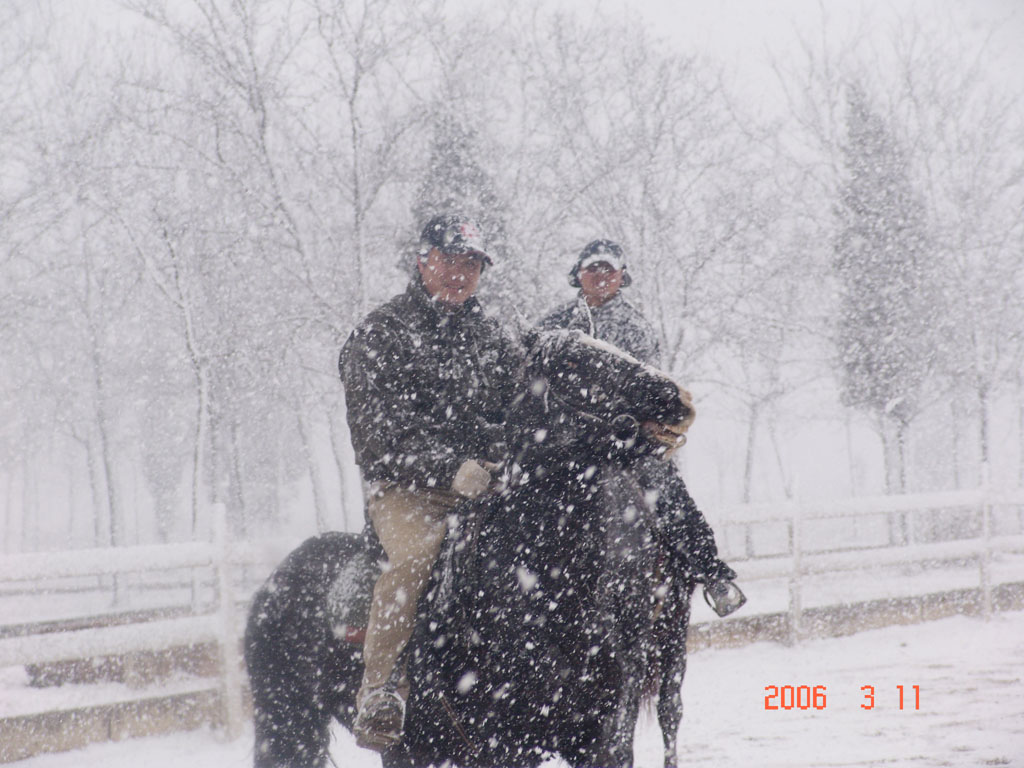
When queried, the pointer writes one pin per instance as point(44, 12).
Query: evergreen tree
point(455, 181)
point(887, 308)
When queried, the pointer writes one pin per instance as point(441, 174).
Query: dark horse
point(530, 638)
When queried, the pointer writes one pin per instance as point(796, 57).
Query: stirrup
point(724, 597)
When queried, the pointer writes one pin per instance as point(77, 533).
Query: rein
point(473, 748)
point(624, 426)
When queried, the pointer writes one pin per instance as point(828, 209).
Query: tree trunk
point(106, 459)
point(1020, 435)
point(886, 454)
point(164, 518)
point(199, 448)
point(217, 474)
point(890, 454)
point(201, 374)
point(236, 507)
point(901, 456)
point(357, 205)
point(8, 507)
point(851, 464)
point(97, 493)
point(892, 446)
point(787, 483)
point(983, 429)
point(113, 496)
point(23, 521)
point(314, 474)
point(1020, 441)
point(954, 415)
point(353, 516)
point(748, 464)
point(26, 514)
point(71, 501)
point(94, 309)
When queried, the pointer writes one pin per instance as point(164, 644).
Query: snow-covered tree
point(885, 263)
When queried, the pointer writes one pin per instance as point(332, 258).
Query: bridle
point(625, 427)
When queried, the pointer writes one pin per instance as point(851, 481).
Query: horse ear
point(529, 337)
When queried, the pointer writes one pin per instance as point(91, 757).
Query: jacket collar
point(425, 303)
point(583, 307)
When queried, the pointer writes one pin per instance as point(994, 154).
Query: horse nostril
point(625, 427)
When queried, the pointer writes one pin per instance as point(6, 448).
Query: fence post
point(795, 602)
point(230, 661)
point(985, 558)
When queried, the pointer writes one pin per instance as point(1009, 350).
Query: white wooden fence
point(221, 623)
point(798, 561)
point(220, 626)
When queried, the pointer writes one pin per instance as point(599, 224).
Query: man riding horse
point(600, 310)
point(524, 642)
point(427, 381)
point(683, 533)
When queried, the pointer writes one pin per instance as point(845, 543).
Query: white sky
point(744, 34)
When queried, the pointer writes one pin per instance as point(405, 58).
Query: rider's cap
point(595, 252)
point(453, 233)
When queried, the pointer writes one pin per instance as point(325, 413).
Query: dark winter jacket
point(616, 321)
point(426, 388)
point(681, 525)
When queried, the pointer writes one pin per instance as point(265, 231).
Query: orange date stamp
point(816, 697)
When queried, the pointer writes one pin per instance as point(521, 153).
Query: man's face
point(450, 278)
point(600, 282)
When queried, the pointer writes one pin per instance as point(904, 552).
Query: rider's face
point(600, 282)
point(451, 278)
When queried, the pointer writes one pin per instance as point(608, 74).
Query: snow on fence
point(799, 558)
point(220, 627)
point(221, 624)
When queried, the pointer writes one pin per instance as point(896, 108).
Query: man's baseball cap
point(453, 233)
point(598, 251)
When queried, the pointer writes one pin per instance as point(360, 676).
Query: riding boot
point(381, 719)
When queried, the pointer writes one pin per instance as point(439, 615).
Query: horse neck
point(553, 470)
point(558, 503)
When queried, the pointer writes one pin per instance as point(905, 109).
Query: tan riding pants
point(411, 526)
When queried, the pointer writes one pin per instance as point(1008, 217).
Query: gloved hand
point(720, 591)
point(471, 480)
point(719, 571)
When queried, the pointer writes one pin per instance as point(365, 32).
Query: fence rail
point(219, 626)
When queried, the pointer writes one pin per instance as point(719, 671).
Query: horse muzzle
point(672, 436)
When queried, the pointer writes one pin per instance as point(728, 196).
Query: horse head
point(585, 396)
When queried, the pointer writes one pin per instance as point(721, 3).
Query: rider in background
point(601, 311)
point(427, 379)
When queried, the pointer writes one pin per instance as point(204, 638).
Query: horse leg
point(670, 705)
point(292, 723)
point(285, 658)
point(605, 737)
point(673, 666)
point(621, 742)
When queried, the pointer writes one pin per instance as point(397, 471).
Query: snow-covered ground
point(969, 674)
